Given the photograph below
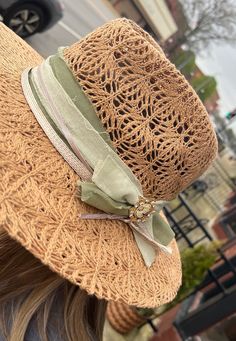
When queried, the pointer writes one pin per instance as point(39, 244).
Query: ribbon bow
point(112, 191)
point(108, 185)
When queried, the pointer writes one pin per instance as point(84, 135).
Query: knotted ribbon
point(107, 183)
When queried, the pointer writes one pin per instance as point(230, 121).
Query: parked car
point(26, 17)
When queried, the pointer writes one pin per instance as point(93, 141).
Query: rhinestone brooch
point(142, 210)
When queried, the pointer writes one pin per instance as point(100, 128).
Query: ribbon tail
point(147, 245)
point(148, 251)
point(149, 238)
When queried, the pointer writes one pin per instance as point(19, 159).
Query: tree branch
point(214, 20)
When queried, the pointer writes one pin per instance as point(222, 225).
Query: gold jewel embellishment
point(142, 210)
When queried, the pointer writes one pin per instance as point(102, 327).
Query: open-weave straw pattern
point(156, 121)
point(39, 205)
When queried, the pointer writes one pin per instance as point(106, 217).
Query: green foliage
point(205, 86)
point(195, 263)
point(185, 62)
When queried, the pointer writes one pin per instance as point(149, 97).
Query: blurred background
point(199, 37)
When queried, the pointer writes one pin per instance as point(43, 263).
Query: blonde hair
point(29, 290)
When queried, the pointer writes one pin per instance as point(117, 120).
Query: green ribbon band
point(113, 187)
point(111, 191)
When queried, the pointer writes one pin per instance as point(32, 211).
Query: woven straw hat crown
point(156, 121)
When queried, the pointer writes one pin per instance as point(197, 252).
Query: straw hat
point(158, 128)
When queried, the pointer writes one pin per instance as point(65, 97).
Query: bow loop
point(112, 179)
point(114, 192)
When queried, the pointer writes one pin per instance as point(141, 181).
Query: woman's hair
point(29, 291)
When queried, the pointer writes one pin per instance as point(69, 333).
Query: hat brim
point(39, 205)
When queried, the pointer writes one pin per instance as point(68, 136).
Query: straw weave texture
point(156, 121)
point(39, 205)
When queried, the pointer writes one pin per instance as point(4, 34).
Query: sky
point(220, 62)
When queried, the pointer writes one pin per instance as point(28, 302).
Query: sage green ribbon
point(70, 122)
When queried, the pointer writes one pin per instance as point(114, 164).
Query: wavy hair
point(29, 294)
